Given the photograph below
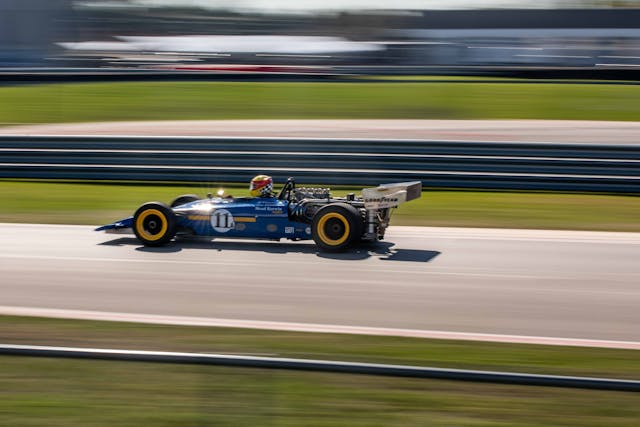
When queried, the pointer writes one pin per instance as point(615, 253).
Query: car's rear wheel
point(184, 199)
point(335, 227)
point(154, 224)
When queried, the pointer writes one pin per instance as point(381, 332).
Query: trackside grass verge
point(88, 102)
point(45, 392)
point(98, 203)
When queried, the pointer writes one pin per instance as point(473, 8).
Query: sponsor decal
point(269, 207)
point(307, 230)
point(240, 226)
point(272, 228)
point(382, 200)
point(222, 221)
point(198, 217)
point(288, 230)
point(379, 199)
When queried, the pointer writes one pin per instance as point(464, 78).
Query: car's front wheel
point(154, 224)
point(335, 227)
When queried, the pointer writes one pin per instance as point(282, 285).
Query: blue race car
point(334, 223)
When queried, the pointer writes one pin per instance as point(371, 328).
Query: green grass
point(73, 203)
point(48, 392)
point(84, 102)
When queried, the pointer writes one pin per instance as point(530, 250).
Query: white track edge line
point(310, 327)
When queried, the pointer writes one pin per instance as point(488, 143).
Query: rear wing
point(391, 195)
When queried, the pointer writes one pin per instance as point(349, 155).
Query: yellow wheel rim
point(322, 233)
point(146, 234)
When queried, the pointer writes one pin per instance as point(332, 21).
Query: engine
point(311, 193)
point(306, 201)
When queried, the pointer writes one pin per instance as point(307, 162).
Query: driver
point(261, 186)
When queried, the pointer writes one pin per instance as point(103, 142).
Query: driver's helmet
point(261, 186)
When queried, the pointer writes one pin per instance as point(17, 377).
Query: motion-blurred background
point(515, 115)
point(406, 37)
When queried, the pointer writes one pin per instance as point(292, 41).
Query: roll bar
point(285, 193)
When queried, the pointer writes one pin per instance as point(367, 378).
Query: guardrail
point(322, 366)
point(438, 164)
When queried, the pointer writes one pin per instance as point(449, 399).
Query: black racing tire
point(154, 224)
point(336, 227)
point(185, 198)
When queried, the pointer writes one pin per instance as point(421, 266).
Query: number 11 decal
point(222, 221)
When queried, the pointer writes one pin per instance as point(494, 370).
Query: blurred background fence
point(438, 164)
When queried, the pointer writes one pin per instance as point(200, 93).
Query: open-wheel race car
point(334, 223)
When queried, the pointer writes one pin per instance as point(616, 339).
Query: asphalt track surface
point(596, 132)
point(558, 284)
